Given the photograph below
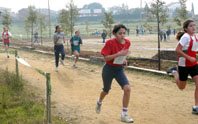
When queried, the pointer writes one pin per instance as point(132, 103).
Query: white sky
point(16, 5)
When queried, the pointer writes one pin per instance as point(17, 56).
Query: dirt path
point(154, 100)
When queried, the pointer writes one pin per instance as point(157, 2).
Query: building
point(92, 9)
point(172, 7)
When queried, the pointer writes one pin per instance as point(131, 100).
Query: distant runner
point(58, 46)
point(76, 41)
point(6, 35)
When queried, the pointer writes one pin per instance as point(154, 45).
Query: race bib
point(119, 60)
point(75, 42)
point(195, 46)
point(5, 37)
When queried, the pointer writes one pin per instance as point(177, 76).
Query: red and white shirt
point(5, 35)
point(190, 47)
point(111, 47)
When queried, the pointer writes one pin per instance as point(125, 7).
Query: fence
point(48, 83)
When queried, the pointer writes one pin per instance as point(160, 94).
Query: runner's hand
point(192, 59)
point(125, 64)
point(123, 52)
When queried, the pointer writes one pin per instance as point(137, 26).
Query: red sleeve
point(106, 50)
point(128, 44)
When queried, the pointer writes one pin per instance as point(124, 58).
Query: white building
point(172, 7)
point(90, 12)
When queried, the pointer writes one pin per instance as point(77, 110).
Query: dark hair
point(56, 28)
point(117, 27)
point(76, 31)
point(185, 25)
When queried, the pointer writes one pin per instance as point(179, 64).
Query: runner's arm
point(181, 53)
point(121, 53)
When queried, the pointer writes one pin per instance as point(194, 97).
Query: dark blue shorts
point(6, 43)
point(109, 73)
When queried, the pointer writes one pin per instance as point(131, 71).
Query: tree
point(73, 14)
point(27, 27)
point(108, 22)
point(151, 13)
point(87, 26)
point(64, 20)
point(6, 19)
point(42, 24)
point(159, 12)
point(32, 19)
point(148, 27)
point(181, 13)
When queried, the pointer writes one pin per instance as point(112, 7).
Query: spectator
point(104, 35)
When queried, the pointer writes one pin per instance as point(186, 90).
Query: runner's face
point(59, 29)
point(191, 28)
point(120, 35)
point(77, 33)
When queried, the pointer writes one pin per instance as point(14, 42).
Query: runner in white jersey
point(187, 60)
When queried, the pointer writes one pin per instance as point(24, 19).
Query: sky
point(16, 5)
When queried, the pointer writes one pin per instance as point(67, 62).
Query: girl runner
point(6, 39)
point(58, 46)
point(187, 61)
point(75, 45)
point(115, 52)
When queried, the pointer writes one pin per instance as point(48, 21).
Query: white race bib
point(75, 42)
point(195, 46)
point(119, 60)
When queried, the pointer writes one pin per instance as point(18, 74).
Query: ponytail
point(179, 35)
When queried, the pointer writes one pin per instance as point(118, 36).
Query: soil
point(154, 99)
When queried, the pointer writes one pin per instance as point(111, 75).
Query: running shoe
point(195, 111)
point(75, 65)
point(98, 108)
point(170, 70)
point(56, 69)
point(62, 62)
point(127, 119)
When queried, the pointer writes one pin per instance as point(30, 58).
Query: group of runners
point(59, 39)
point(115, 52)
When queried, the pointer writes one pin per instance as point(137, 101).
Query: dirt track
point(154, 100)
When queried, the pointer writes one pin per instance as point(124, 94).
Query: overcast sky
point(16, 5)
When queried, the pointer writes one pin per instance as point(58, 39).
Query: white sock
point(124, 111)
point(99, 102)
point(195, 107)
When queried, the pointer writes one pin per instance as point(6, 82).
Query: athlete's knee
point(182, 87)
point(127, 89)
point(106, 91)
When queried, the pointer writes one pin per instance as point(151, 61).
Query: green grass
point(18, 30)
point(18, 103)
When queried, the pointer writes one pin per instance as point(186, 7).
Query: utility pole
point(158, 30)
point(49, 23)
point(140, 12)
point(71, 14)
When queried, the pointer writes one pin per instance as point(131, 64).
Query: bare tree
point(108, 22)
point(73, 14)
point(6, 19)
point(42, 25)
point(181, 13)
point(32, 19)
